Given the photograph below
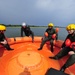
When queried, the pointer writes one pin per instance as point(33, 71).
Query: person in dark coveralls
point(68, 47)
point(3, 40)
point(27, 31)
point(50, 35)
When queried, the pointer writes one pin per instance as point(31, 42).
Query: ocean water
point(38, 31)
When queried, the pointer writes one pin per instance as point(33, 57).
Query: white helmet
point(23, 24)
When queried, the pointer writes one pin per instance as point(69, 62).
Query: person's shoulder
point(69, 35)
point(46, 30)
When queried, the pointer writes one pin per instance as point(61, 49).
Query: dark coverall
point(49, 38)
point(2, 38)
point(64, 52)
point(27, 31)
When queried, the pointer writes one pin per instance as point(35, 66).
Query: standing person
point(27, 31)
point(67, 48)
point(3, 40)
point(50, 35)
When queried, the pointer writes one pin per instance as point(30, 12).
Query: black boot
point(51, 47)
point(63, 68)
point(39, 48)
point(55, 57)
point(52, 50)
point(32, 40)
point(8, 47)
point(41, 45)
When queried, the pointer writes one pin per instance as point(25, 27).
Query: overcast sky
point(37, 12)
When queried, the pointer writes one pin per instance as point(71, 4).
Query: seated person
point(68, 47)
point(50, 35)
point(3, 40)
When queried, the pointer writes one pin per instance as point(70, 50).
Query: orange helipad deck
point(25, 59)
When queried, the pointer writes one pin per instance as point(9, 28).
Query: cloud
point(55, 4)
point(62, 10)
point(37, 12)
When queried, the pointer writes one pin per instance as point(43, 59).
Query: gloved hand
point(42, 38)
point(54, 36)
point(72, 45)
point(46, 34)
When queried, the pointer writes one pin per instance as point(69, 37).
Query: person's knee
point(51, 41)
point(73, 56)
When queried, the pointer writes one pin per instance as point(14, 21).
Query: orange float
point(46, 34)
point(25, 59)
point(57, 30)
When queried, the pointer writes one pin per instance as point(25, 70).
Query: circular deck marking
point(31, 60)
